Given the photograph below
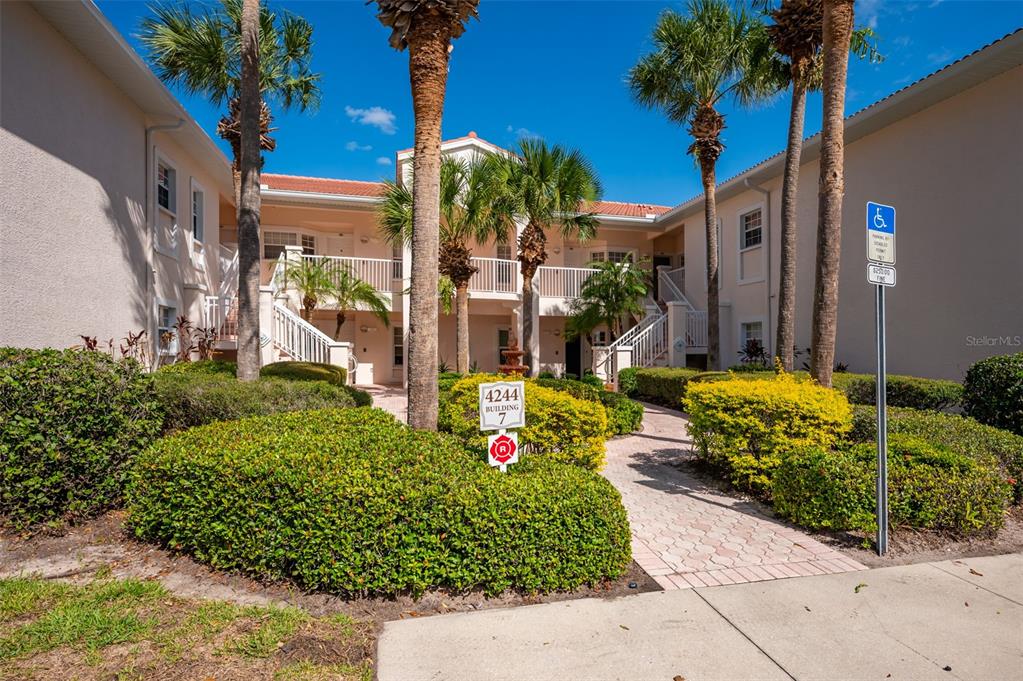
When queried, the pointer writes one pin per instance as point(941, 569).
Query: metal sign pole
point(882, 429)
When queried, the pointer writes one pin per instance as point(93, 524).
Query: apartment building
point(116, 215)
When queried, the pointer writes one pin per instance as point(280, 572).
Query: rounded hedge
point(306, 371)
point(624, 416)
point(70, 423)
point(192, 399)
point(558, 426)
point(902, 391)
point(205, 367)
point(961, 434)
point(353, 502)
point(929, 486)
point(993, 392)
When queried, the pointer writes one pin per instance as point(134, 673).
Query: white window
point(166, 184)
point(274, 243)
point(751, 331)
point(399, 347)
point(308, 244)
point(198, 214)
point(613, 255)
point(167, 342)
point(750, 229)
point(600, 338)
point(502, 344)
point(397, 258)
point(504, 251)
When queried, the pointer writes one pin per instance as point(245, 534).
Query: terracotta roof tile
point(632, 210)
point(322, 185)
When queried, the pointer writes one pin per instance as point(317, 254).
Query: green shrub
point(903, 391)
point(663, 385)
point(206, 367)
point(353, 502)
point(558, 426)
point(190, 400)
point(751, 368)
point(627, 381)
point(961, 434)
point(583, 391)
point(447, 379)
point(70, 422)
point(306, 371)
point(993, 392)
point(360, 398)
point(745, 427)
point(624, 416)
point(929, 486)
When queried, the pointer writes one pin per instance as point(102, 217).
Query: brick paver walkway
point(686, 534)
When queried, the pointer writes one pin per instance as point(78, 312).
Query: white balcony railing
point(563, 282)
point(494, 276)
point(377, 272)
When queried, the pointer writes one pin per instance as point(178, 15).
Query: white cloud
point(377, 116)
point(355, 146)
point(942, 56)
point(521, 133)
point(383, 160)
point(867, 10)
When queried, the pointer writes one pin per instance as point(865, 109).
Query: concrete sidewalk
point(949, 620)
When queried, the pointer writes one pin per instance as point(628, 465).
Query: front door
point(574, 357)
point(659, 261)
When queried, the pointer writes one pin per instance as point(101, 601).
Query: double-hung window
point(198, 214)
point(166, 316)
point(397, 341)
point(751, 229)
point(166, 179)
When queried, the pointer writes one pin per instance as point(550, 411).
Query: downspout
point(768, 334)
point(150, 211)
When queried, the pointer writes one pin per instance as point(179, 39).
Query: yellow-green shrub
point(558, 426)
point(747, 426)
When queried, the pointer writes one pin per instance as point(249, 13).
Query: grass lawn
point(132, 629)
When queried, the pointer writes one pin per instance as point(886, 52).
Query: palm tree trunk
point(786, 339)
point(838, 24)
point(249, 198)
point(340, 322)
point(707, 175)
point(462, 327)
point(428, 42)
point(526, 342)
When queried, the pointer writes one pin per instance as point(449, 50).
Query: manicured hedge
point(306, 371)
point(663, 385)
point(583, 391)
point(194, 399)
point(960, 434)
point(623, 415)
point(558, 426)
point(627, 381)
point(929, 486)
point(352, 502)
point(745, 427)
point(70, 422)
point(993, 392)
point(901, 391)
point(206, 367)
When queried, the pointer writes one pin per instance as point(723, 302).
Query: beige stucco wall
point(74, 246)
point(954, 173)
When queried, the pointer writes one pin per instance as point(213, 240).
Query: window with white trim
point(504, 251)
point(750, 229)
point(274, 243)
point(751, 331)
point(398, 338)
point(613, 255)
point(397, 260)
point(198, 213)
point(502, 344)
point(166, 316)
point(166, 181)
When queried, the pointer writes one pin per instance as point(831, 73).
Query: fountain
point(512, 359)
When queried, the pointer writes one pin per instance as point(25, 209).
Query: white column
point(266, 325)
point(623, 360)
point(337, 354)
point(293, 256)
point(600, 366)
point(677, 313)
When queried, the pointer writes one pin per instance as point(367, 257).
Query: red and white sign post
point(502, 406)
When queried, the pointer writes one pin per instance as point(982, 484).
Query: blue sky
point(557, 70)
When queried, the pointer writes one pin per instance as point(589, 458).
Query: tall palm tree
point(699, 61)
point(797, 35)
point(470, 193)
point(349, 292)
point(240, 53)
point(837, 29)
point(426, 28)
point(610, 296)
point(548, 187)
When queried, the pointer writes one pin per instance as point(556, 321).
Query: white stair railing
point(298, 338)
point(696, 328)
point(668, 289)
point(651, 343)
point(607, 362)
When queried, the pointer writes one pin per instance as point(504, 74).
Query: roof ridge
point(327, 179)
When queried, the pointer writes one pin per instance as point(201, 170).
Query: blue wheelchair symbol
point(880, 218)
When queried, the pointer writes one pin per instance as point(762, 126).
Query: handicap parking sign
point(880, 233)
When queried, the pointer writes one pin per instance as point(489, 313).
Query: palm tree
point(797, 36)
point(469, 196)
point(547, 187)
point(426, 28)
point(713, 54)
point(350, 293)
point(609, 296)
point(838, 29)
point(241, 53)
point(312, 280)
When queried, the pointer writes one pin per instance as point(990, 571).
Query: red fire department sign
point(503, 449)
